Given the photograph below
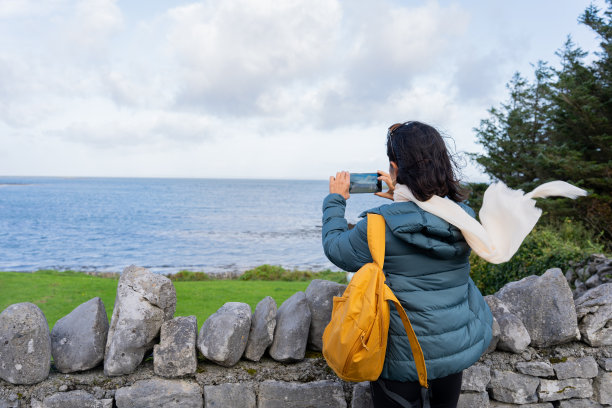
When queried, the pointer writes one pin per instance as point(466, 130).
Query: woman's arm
point(347, 249)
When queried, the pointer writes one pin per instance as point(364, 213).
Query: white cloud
point(93, 23)
point(231, 52)
point(242, 87)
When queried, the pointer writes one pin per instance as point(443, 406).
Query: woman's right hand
point(340, 184)
point(384, 176)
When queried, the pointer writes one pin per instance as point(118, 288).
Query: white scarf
point(507, 216)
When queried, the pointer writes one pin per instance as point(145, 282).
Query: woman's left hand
point(384, 176)
point(340, 184)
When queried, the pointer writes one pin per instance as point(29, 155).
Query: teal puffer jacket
point(427, 267)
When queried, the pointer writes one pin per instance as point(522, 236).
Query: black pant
point(443, 392)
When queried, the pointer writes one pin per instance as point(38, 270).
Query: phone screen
point(365, 183)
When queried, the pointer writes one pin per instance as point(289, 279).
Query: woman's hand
point(389, 182)
point(340, 184)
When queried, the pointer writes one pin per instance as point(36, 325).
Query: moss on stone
point(556, 360)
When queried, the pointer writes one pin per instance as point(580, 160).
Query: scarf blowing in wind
point(506, 216)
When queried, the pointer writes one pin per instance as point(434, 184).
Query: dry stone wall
point(552, 347)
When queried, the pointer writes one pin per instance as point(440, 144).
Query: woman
point(426, 265)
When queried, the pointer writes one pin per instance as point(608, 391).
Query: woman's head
point(422, 160)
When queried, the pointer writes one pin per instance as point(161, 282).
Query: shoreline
point(229, 274)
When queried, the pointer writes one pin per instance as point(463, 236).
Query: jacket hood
point(411, 224)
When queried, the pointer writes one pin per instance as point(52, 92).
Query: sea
point(166, 225)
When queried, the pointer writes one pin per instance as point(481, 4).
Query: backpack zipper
point(359, 342)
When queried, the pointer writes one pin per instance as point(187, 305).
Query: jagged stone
point(319, 295)
point(536, 368)
point(473, 400)
point(497, 404)
point(580, 289)
point(585, 367)
point(495, 335)
point(144, 301)
point(291, 332)
point(594, 311)
point(606, 364)
point(8, 403)
point(545, 305)
point(75, 399)
point(25, 344)
point(224, 335)
point(79, 338)
point(579, 403)
point(261, 334)
point(513, 336)
point(160, 393)
point(476, 378)
point(513, 388)
point(175, 355)
point(556, 390)
point(362, 396)
point(279, 394)
point(593, 281)
point(602, 388)
point(240, 395)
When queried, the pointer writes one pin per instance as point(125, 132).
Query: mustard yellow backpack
point(355, 340)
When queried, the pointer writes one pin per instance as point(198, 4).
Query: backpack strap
point(376, 238)
point(376, 243)
point(417, 352)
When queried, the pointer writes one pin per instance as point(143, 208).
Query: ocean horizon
point(103, 224)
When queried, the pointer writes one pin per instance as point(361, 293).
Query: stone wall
point(549, 350)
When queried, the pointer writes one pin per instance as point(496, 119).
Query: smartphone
point(365, 183)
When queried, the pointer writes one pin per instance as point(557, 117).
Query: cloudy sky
point(255, 89)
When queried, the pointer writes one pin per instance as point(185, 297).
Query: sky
point(295, 89)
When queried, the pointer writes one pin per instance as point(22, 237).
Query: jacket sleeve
point(347, 249)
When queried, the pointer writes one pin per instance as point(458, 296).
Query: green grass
point(58, 293)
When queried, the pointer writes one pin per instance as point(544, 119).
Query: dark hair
point(424, 164)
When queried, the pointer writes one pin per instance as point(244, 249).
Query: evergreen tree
point(516, 133)
point(559, 127)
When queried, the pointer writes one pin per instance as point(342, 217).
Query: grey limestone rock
point(556, 390)
point(497, 404)
point(496, 334)
point(476, 378)
point(535, 368)
point(279, 394)
point(593, 281)
point(160, 393)
point(602, 387)
point(579, 403)
point(581, 288)
point(291, 333)
point(319, 295)
point(507, 386)
point(224, 335)
point(144, 301)
point(606, 364)
point(7, 403)
point(362, 396)
point(545, 305)
point(585, 367)
point(513, 336)
point(79, 338)
point(239, 395)
point(75, 399)
point(175, 355)
point(261, 334)
point(25, 344)
point(473, 400)
point(594, 311)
